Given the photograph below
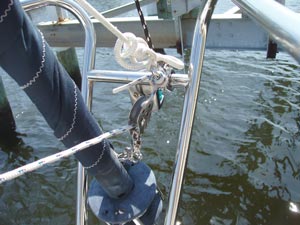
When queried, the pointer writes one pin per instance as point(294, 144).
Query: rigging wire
point(144, 24)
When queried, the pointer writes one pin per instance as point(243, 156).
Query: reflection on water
point(252, 139)
point(244, 162)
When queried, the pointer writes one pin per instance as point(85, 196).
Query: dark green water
point(244, 162)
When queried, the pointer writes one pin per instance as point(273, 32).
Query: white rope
point(63, 154)
point(128, 46)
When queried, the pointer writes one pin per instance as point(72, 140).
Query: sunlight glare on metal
point(294, 207)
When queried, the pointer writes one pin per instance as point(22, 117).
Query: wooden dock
point(229, 30)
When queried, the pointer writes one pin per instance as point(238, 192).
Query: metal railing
point(88, 65)
point(277, 20)
point(189, 109)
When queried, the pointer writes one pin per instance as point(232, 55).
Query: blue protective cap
point(134, 205)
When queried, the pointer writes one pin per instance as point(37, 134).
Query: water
point(243, 165)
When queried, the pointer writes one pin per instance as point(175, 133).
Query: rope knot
point(134, 53)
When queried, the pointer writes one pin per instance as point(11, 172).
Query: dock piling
point(272, 49)
point(7, 121)
point(68, 58)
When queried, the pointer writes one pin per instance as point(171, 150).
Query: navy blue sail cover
point(27, 58)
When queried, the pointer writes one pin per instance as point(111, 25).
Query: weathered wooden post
point(68, 58)
point(7, 121)
point(272, 45)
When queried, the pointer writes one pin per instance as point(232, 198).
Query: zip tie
point(63, 154)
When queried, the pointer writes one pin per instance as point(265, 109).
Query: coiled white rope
point(58, 156)
point(132, 52)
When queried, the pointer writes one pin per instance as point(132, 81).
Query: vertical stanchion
point(189, 108)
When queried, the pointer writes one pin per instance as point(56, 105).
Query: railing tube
point(88, 64)
point(111, 76)
point(280, 22)
point(190, 102)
